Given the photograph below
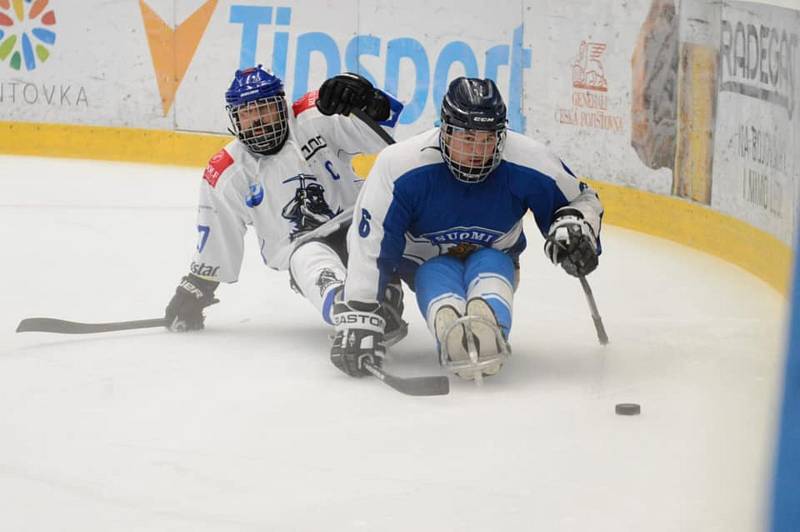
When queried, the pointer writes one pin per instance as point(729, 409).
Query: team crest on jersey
point(255, 196)
point(308, 209)
point(218, 164)
point(461, 241)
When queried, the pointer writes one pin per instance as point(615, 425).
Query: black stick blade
point(434, 385)
point(53, 325)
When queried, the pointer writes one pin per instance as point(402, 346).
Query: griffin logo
point(587, 70)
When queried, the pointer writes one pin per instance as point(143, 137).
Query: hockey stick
point(331, 226)
point(434, 385)
point(373, 125)
point(598, 321)
point(346, 215)
point(73, 327)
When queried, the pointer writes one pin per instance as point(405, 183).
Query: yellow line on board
point(109, 143)
point(699, 227)
point(672, 218)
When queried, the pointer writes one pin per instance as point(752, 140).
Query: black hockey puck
point(628, 409)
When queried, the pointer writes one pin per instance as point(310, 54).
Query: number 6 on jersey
point(363, 226)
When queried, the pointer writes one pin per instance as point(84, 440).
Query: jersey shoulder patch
point(308, 101)
point(216, 166)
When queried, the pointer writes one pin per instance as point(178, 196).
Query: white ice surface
point(247, 426)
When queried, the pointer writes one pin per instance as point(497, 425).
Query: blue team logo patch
point(256, 195)
point(464, 235)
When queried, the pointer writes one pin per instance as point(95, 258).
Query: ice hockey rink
point(246, 426)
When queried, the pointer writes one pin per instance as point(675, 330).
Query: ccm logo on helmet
point(483, 119)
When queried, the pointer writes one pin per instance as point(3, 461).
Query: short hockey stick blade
point(72, 327)
point(434, 385)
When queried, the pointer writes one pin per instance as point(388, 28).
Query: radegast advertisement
point(756, 159)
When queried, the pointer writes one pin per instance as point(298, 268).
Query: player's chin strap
point(476, 363)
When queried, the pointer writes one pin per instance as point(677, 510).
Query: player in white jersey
point(287, 172)
point(444, 210)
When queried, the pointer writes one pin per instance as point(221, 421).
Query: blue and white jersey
point(412, 209)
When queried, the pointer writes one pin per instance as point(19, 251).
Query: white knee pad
point(492, 287)
point(316, 270)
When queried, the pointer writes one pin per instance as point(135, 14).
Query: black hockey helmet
point(473, 128)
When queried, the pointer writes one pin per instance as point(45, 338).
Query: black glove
point(359, 337)
point(340, 94)
point(571, 243)
point(185, 309)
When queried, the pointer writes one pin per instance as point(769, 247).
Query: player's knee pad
point(317, 271)
point(490, 276)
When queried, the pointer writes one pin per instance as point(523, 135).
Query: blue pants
point(446, 280)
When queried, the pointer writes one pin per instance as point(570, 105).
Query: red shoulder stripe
point(216, 166)
point(308, 101)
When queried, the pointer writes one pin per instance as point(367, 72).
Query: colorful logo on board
point(26, 32)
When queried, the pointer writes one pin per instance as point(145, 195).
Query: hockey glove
point(185, 310)
point(345, 92)
point(359, 337)
point(571, 243)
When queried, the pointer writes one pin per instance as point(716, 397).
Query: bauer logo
point(431, 65)
point(27, 33)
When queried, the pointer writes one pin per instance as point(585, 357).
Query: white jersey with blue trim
point(412, 208)
point(308, 182)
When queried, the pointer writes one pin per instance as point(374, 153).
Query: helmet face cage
point(262, 124)
point(471, 154)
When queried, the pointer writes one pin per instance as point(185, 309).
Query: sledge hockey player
point(287, 172)
point(444, 210)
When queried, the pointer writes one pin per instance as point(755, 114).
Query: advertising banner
point(695, 99)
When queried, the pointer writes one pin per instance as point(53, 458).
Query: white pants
point(318, 273)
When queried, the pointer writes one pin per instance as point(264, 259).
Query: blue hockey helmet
point(257, 110)
point(251, 84)
point(473, 128)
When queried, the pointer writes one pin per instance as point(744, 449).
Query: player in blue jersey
point(444, 210)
